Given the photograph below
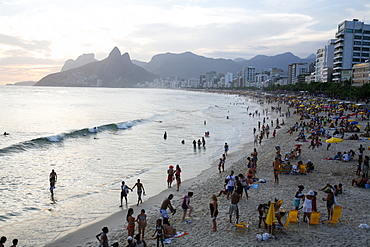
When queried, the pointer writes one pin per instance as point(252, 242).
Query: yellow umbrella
point(334, 140)
point(301, 105)
point(362, 113)
point(351, 120)
point(270, 218)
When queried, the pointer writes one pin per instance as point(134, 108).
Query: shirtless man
point(167, 204)
point(140, 190)
point(235, 197)
point(170, 173)
point(276, 165)
point(53, 178)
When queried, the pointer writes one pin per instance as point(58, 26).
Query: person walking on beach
point(140, 191)
point(102, 237)
point(186, 205)
point(165, 135)
point(203, 141)
point(141, 221)
point(170, 173)
point(178, 177)
point(276, 165)
point(226, 148)
point(130, 222)
point(235, 197)
point(230, 180)
point(124, 191)
point(167, 204)
point(298, 196)
point(213, 206)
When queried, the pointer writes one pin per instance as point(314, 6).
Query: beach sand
point(347, 233)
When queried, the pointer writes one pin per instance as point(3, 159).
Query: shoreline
point(355, 209)
point(116, 222)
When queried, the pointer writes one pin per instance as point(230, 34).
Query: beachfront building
point(295, 72)
point(228, 79)
point(361, 74)
point(249, 75)
point(324, 62)
point(352, 46)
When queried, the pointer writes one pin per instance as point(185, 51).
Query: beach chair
point(293, 216)
point(279, 228)
point(315, 218)
point(337, 212)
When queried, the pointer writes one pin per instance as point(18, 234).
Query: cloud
point(24, 44)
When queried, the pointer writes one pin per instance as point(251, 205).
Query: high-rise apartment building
point(249, 75)
point(352, 46)
point(324, 62)
point(295, 70)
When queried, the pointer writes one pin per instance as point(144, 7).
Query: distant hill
point(188, 65)
point(22, 83)
point(80, 61)
point(280, 61)
point(114, 71)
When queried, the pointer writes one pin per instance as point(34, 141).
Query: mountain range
point(119, 71)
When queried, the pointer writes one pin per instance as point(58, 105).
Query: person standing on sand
point(230, 180)
point(124, 191)
point(141, 221)
point(186, 205)
point(214, 211)
point(203, 141)
point(167, 204)
point(130, 222)
point(170, 173)
point(298, 196)
point(178, 177)
point(329, 202)
point(140, 190)
point(235, 197)
point(102, 237)
point(226, 148)
point(276, 165)
point(165, 135)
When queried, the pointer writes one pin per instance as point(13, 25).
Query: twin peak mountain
point(117, 70)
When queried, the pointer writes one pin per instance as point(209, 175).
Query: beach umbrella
point(270, 218)
point(301, 105)
point(334, 140)
point(353, 114)
point(354, 122)
point(351, 120)
point(344, 117)
point(362, 113)
point(336, 117)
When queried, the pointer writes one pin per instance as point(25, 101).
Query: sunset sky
point(38, 36)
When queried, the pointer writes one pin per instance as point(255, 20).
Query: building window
point(366, 38)
point(357, 43)
point(356, 48)
point(357, 37)
point(349, 30)
point(366, 43)
point(365, 49)
point(358, 30)
point(356, 54)
point(365, 54)
point(366, 32)
point(356, 60)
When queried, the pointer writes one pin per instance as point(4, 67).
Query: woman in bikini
point(214, 211)
point(159, 232)
point(131, 222)
point(141, 220)
point(178, 177)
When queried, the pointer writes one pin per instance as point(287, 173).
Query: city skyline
point(37, 37)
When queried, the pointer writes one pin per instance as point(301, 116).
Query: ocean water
point(96, 137)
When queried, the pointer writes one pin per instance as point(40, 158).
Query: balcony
point(338, 51)
point(338, 63)
point(339, 55)
point(339, 34)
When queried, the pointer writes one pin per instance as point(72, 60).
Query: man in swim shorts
point(167, 204)
point(235, 197)
point(140, 190)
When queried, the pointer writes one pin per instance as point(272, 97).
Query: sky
point(38, 36)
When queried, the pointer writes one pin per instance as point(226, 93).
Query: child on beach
point(141, 220)
point(298, 196)
point(214, 211)
point(159, 232)
point(307, 206)
point(130, 222)
point(102, 237)
point(186, 205)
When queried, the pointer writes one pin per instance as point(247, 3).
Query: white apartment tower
point(324, 62)
point(352, 46)
point(249, 75)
